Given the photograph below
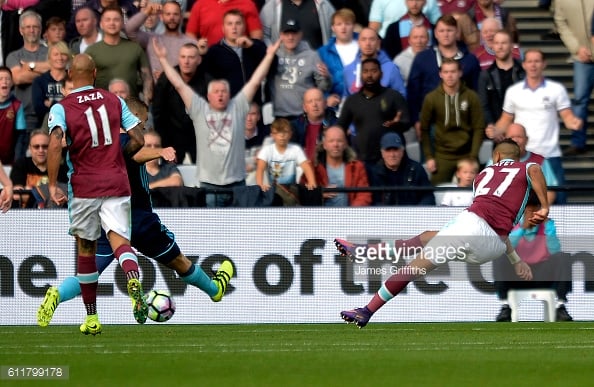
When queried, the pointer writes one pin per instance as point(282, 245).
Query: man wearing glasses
point(29, 172)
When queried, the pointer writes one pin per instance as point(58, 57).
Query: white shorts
point(88, 215)
point(468, 238)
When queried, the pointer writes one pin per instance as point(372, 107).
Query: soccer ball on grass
point(161, 305)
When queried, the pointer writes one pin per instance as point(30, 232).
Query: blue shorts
point(149, 236)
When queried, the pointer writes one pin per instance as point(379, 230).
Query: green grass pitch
point(415, 354)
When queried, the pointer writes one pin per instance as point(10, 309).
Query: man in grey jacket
point(299, 68)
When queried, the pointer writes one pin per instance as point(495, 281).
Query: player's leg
point(154, 240)
point(115, 216)
point(69, 288)
point(85, 225)
point(352, 250)
point(88, 278)
point(193, 274)
point(390, 289)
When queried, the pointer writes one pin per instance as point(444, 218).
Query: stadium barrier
point(287, 269)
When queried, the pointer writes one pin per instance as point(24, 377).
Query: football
point(161, 305)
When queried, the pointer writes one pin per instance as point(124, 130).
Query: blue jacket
point(329, 55)
point(391, 76)
point(424, 76)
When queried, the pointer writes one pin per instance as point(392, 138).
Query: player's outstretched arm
point(253, 85)
point(148, 154)
point(136, 140)
point(185, 92)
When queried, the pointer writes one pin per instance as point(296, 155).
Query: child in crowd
point(281, 159)
point(466, 170)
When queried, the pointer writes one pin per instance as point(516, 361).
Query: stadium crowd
point(372, 68)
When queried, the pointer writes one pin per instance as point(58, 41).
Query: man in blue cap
point(398, 170)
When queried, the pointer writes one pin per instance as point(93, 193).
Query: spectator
point(255, 134)
point(359, 8)
point(235, 56)
point(87, 28)
point(119, 87)
point(468, 32)
point(98, 6)
point(494, 81)
point(336, 166)
point(11, 38)
point(489, 8)
point(539, 246)
point(160, 172)
point(281, 159)
point(535, 103)
point(206, 19)
point(120, 58)
point(298, 69)
point(385, 12)
point(317, 31)
point(169, 114)
point(47, 88)
point(466, 170)
point(454, 111)
point(573, 21)
point(152, 24)
point(219, 124)
point(396, 169)
point(55, 30)
point(340, 51)
point(26, 64)
point(5, 190)
point(31, 171)
point(309, 127)
point(424, 73)
point(170, 14)
point(396, 37)
point(485, 53)
point(418, 39)
point(12, 117)
point(373, 111)
point(369, 44)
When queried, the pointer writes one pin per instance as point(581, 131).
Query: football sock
point(560, 303)
point(412, 242)
point(68, 289)
point(88, 277)
point(389, 290)
point(197, 277)
point(128, 261)
point(504, 302)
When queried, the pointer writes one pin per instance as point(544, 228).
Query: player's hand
point(57, 195)
point(394, 121)
point(160, 50)
point(523, 271)
point(539, 216)
point(168, 154)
